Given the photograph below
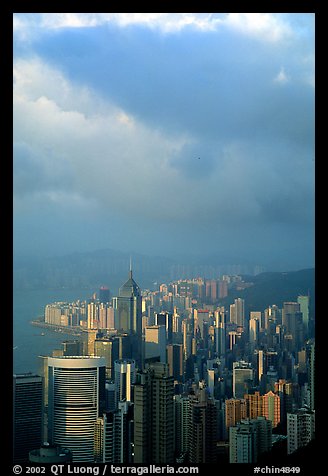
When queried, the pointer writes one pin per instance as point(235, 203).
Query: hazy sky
point(165, 133)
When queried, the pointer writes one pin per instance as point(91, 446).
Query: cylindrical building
point(76, 399)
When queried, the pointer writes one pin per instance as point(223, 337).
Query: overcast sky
point(165, 134)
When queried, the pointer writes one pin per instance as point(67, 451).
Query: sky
point(165, 134)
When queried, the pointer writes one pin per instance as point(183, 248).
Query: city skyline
point(163, 238)
point(165, 134)
point(101, 405)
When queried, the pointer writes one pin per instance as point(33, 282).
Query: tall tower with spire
point(128, 309)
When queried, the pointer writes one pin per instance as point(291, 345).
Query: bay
point(28, 341)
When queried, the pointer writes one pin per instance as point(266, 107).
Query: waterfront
point(29, 341)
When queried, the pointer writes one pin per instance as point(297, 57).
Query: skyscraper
point(271, 407)
point(155, 342)
point(125, 376)
point(114, 433)
point(311, 373)
point(235, 411)
point(202, 428)
point(104, 294)
point(284, 390)
point(109, 349)
point(187, 336)
point(76, 400)
point(243, 443)
point(128, 314)
point(128, 308)
point(72, 347)
point(237, 312)
point(292, 320)
point(153, 415)
point(300, 428)
point(175, 360)
point(249, 439)
point(88, 341)
point(242, 378)
point(27, 415)
point(254, 330)
point(303, 301)
point(254, 403)
point(181, 422)
point(165, 319)
point(92, 315)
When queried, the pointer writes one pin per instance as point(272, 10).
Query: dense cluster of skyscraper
point(170, 376)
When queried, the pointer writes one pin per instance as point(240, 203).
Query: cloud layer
point(149, 131)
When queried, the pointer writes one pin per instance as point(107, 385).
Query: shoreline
point(70, 330)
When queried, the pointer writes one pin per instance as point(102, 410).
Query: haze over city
point(165, 134)
point(164, 277)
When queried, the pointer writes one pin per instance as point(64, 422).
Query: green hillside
point(275, 288)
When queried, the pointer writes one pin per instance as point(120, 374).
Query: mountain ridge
point(110, 267)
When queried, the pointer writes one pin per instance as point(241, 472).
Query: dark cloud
point(203, 138)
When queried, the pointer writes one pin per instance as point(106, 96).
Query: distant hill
point(89, 270)
point(275, 288)
point(109, 267)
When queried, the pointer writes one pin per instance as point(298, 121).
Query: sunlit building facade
point(76, 399)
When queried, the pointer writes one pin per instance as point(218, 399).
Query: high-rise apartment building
point(155, 343)
point(114, 435)
point(267, 405)
point(254, 331)
point(249, 439)
point(107, 347)
point(88, 341)
point(242, 378)
point(235, 411)
point(254, 403)
point(72, 347)
point(92, 315)
point(162, 389)
point(220, 338)
point(181, 423)
point(272, 314)
point(292, 320)
point(243, 443)
point(125, 376)
point(187, 334)
point(202, 428)
point(237, 312)
point(211, 290)
point(303, 301)
point(271, 408)
point(285, 390)
point(260, 365)
point(175, 361)
point(201, 318)
point(76, 399)
point(153, 415)
point(300, 428)
point(165, 319)
point(311, 376)
point(264, 434)
point(104, 294)
point(27, 415)
point(223, 288)
point(266, 360)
